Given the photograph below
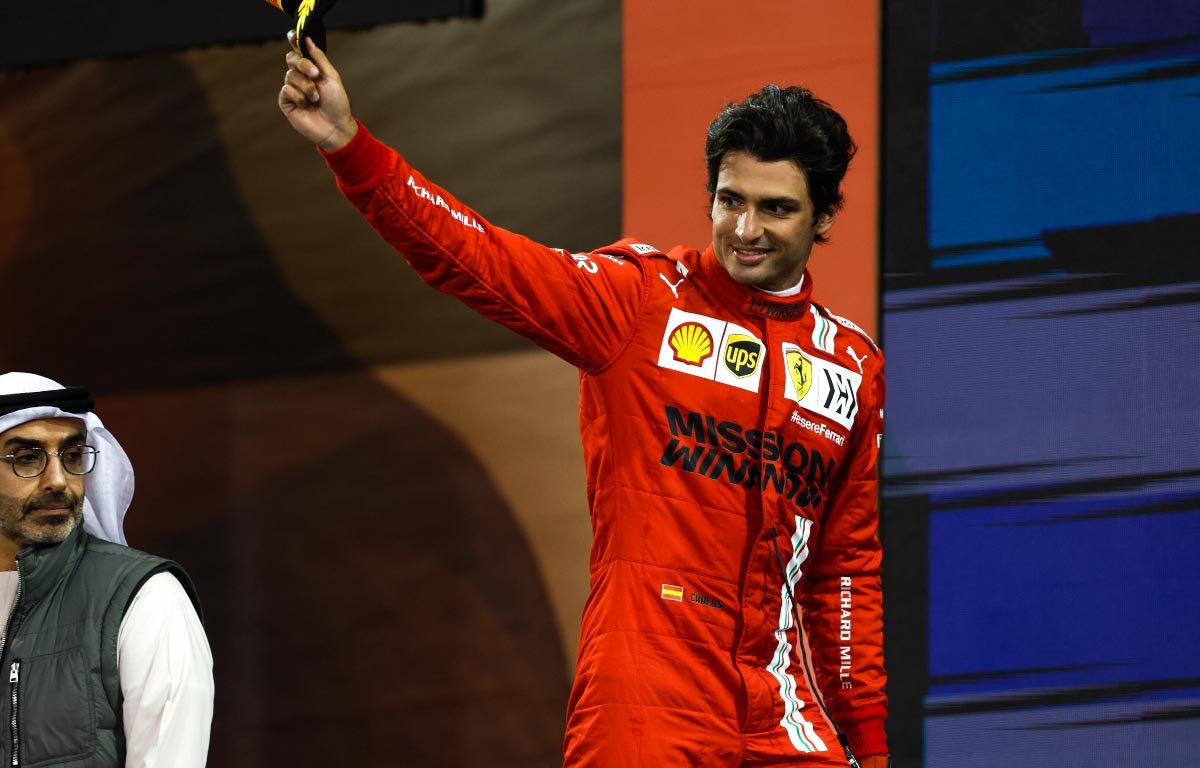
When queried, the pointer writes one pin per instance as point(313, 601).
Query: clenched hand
point(314, 100)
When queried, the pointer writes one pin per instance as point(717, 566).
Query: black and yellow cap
point(309, 18)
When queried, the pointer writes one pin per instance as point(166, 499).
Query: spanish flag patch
point(672, 592)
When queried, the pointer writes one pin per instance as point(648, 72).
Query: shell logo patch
point(692, 343)
point(712, 349)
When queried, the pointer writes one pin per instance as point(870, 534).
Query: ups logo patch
point(742, 354)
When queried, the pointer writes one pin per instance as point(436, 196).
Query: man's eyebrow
point(23, 442)
point(30, 442)
point(782, 201)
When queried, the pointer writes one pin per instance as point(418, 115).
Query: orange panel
point(685, 59)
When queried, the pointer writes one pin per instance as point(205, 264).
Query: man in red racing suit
point(731, 426)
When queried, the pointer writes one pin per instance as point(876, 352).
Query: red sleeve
point(579, 306)
point(843, 599)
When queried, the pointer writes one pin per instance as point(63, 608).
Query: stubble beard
point(27, 530)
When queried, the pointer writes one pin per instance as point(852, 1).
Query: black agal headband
point(70, 399)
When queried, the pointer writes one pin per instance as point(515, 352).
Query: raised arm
point(581, 307)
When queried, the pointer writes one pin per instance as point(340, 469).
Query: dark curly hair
point(786, 124)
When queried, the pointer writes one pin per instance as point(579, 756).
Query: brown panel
point(16, 192)
point(366, 589)
point(518, 413)
point(135, 252)
point(188, 200)
point(517, 115)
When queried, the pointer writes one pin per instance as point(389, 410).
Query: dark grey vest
point(62, 703)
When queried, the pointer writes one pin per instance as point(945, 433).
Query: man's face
point(764, 225)
point(42, 509)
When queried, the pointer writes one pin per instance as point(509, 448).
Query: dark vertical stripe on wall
point(904, 228)
point(904, 530)
point(907, 44)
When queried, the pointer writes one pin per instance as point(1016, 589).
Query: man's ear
point(824, 222)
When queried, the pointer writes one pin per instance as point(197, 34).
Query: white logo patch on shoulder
point(827, 389)
point(850, 324)
point(711, 349)
point(643, 248)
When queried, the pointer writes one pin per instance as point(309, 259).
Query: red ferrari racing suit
point(731, 440)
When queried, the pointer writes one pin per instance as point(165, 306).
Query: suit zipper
point(851, 760)
point(14, 682)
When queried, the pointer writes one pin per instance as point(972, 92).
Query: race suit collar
point(751, 300)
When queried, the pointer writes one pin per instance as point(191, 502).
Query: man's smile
point(749, 255)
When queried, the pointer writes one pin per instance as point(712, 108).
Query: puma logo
point(674, 287)
point(857, 359)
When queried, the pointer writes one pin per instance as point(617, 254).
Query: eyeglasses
point(31, 462)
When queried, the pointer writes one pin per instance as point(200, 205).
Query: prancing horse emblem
point(800, 369)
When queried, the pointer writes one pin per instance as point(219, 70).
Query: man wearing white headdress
point(107, 661)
